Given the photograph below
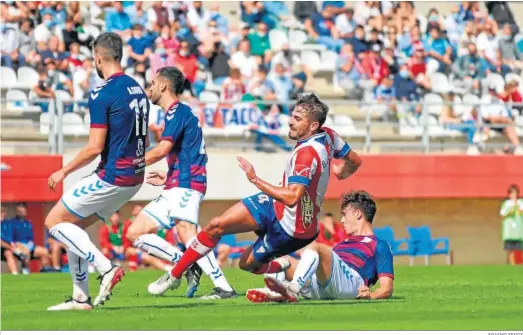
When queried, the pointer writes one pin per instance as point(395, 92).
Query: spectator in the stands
point(198, 16)
point(438, 48)
point(244, 60)
point(219, 64)
point(374, 38)
point(9, 253)
point(435, 20)
point(348, 72)
point(118, 21)
point(44, 89)
point(237, 36)
point(281, 81)
point(140, 73)
point(75, 59)
point(70, 34)
point(253, 12)
point(161, 57)
point(222, 24)
point(268, 128)
point(278, 12)
point(389, 56)
point(464, 123)
point(358, 41)
point(512, 225)
point(260, 44)
point(511, 94)
point(75, 12)
point(454, 25)
point(299, 80)
point(469, 36)
point(260, 86)
point(374, 67)
point(233, 87)
point(406, 92)
point(158, 15)
point(26, 40)
point(509, 50)
point(188, 63)
point(336, 7)
point(495, 113)
point(418, 69)
point(346, 24)
point(391, 39)
point(11, 56)
point(322, 29)
point(138, 47)
point(304, 10)
point(85, 79)
point(139, 16)
point(498, 65)
point(385, 98)
point(470, 70)
point(42, 32)
point(55, 52)
point(502, 14)
point(488, 42)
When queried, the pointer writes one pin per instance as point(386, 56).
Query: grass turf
point(428, 298)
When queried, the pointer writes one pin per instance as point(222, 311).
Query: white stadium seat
point(94, 31)
point(433, 103)
point(85, 51)
point(45, 122)
point(73, 124)
point(312, 59)
point(497, 80)
point(513, 76)
point(328, 60)
point(277, 39)
point(297, 38)
point(16, 99)
point(8, 77)
point(440, 82)
point(208, 96)
point(27, 77)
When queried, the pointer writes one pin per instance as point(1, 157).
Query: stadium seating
point(387, 234)
point(421, 243)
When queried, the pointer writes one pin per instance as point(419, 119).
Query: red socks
point(271, 267)
point(200, 246)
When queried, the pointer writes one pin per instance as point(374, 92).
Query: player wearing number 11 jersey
point(119, 110)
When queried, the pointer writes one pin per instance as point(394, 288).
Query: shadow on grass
point(181, 305)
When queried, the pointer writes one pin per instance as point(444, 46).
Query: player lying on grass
point(345, 272)
point(284, 217)
point(183, 145)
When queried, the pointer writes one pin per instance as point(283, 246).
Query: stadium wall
point(458, 196)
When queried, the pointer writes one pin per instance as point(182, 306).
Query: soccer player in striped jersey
point(285, 217)
point(344, 272)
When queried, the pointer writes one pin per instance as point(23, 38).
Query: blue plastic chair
point(387, 234)
point(231, 241)
point(422, 244)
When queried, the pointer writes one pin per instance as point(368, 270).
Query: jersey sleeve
point(7, 231)
point(384, 263)
point(304, 166)
point(98, 110)
point(174, 124)
point(340, 147)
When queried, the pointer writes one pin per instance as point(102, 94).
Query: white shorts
point(91, 195)
point(175, 204)
point(344, 283)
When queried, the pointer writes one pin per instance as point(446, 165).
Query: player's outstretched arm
point(351, 163)
point(289, 195)
point(94, 147)
point(383, 292)
point(159, 152)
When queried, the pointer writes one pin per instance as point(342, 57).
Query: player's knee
point(215, 228)
point(8, 253)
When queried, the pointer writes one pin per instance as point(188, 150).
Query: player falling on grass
point(284, 217)
point(183, 144)
point(119, 109)
point(344, 272)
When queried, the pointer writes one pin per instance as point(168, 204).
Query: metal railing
point(367, 119)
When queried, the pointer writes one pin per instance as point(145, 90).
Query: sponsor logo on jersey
point(307, 210)
point(302, 170)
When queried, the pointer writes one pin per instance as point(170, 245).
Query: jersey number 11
point(139, 109)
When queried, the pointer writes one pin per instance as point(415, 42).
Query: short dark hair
point(362, 201)
point(174, 76)
point(111, 44)
point(21, 204)
point(312, 105)
point(512, 188)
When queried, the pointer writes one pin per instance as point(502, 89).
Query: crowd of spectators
point(386, 50)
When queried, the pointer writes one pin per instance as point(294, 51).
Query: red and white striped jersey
point(309, 165)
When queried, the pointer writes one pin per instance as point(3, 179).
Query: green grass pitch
point(428, 298)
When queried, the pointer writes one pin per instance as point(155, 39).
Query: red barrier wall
point(436, 177)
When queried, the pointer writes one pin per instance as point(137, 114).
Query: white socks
point(210, 267)
point(158, 247)
point(306, 267)
point(78, 268)
point(77, 241)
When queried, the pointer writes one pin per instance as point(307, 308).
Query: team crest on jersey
point(307, 210)
point(139, 149)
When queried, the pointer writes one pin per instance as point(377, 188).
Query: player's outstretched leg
point(80, 299)
point(236, 219)
point(61, 225)
point(316, 260)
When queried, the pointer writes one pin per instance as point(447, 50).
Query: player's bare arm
point(94, 147)
point(351, 163)
point(382, 292)
point(159, 152)
point(289, 195)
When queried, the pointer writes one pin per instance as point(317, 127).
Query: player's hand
point(156, 178)
point(55, 179)
point(338, 170)
point(363, 293)
point(248, 168)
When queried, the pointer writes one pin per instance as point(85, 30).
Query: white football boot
point(289, 290)
point(71, 304)
point(107, 282)
point(163, 284)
